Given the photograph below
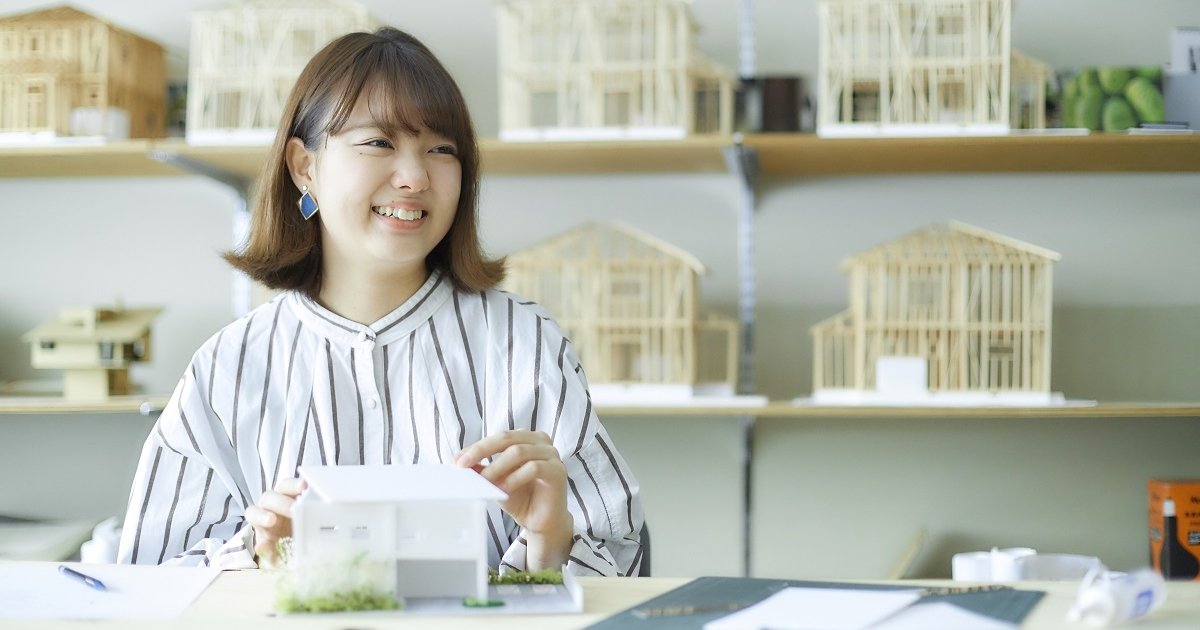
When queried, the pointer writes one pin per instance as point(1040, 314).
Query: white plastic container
point(1108, 598)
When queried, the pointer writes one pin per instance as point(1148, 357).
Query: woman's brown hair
point(283, 250)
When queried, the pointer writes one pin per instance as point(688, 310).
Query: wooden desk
point(243, 599)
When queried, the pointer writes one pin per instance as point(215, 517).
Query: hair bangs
point(405, 94)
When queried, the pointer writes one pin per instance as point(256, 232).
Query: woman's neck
point(365, 297)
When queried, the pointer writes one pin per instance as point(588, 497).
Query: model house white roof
point(954, 242)
point(380, 483)
point(124, 326)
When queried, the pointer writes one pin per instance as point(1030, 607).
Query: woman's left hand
point(526, 465)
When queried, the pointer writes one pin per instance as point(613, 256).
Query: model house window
point(303, 41)
point(47, 345)
point(106, 350)
point(864, 101)
point(543, 109)
point(616, 108)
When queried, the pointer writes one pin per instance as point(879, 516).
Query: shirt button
point(362, 336)
point(372, 403)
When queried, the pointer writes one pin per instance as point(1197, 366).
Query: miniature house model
point(66, 73)
point(429, 519)
point(595, 69)
point(955, 315)
point(245, 56)
point(629, 303)
point(924, 67)
point(94, 347)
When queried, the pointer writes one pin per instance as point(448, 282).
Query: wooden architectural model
point(594, 69)
point(94, 347)
point(924, 67)
point(955, 315)
point(629, 303)
point(246, 55)
point(66, 73)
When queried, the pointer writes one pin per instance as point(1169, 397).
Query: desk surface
point(243, 599)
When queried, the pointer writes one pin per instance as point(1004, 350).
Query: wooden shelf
point(123, 159)
point(786, 155)
point(806, 155)
point(145, 405)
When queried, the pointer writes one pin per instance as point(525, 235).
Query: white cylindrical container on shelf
point(1108, 598)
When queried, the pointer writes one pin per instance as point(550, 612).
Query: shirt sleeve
point(545, 389)
point(185, 507)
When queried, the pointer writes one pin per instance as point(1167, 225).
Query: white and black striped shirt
point(294, 383)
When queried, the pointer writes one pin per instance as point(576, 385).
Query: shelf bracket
point(243, 288)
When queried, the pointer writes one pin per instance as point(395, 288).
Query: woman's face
point(385, 202)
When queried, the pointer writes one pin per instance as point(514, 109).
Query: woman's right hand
point(271, 518)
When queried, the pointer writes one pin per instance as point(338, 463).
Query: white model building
point(604, 69)
point(94, 348)
point(429, 519)
point(946, 315)
point(66, 73)
point(245, 57)
point(924, 67)
point(629, 302)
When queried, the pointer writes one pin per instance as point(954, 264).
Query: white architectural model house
point(607, 69)
point(246, 55)
point(629, 302)
point(952, 315)
point(428, 519)
point(924, 68)
point(94, 348)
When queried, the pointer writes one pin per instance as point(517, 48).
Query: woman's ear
point(299, 162)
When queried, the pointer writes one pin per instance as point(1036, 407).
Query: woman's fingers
point(498, 443)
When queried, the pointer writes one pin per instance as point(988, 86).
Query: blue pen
point(86, 579)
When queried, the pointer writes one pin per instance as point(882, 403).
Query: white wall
point(832, 498)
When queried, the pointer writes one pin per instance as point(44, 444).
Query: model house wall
point(94, 347)
point(924, 67)
point(974, 304)
point(64, 72)
point(629, 303)
point(606, 69)
point(246, 55)
point(429, 519)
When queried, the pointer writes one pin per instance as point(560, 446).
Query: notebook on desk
point(707, 598)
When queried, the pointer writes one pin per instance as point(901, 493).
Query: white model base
point(865, 398)
point(566, 134)
point(611, 395)
point(231, 137)
point(866, 130)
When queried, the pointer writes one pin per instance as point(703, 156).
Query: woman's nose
point(410, 173)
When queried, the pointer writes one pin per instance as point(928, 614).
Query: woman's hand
point(526, 465)
point(271, 518)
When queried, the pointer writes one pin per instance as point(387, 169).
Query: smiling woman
point(389, 344)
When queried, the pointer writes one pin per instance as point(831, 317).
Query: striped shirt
point(293, 383)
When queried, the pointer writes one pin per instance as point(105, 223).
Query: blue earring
point(308, 205)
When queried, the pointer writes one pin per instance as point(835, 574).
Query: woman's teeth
point(398, 213)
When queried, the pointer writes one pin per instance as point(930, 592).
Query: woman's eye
point(379, 143)
point(447, 149)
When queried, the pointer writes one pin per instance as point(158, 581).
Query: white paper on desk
point(940, 615)
point(817, 609)
point(36, 590)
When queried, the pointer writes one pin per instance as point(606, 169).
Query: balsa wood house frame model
point(599, 69)
point(94, 347)
point(430, 520)
point(973, 304)
point(629, 303)
point(246, 56)
point(924, 67)
point(64, 72)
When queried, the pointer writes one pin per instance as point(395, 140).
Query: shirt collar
point(395, 325)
